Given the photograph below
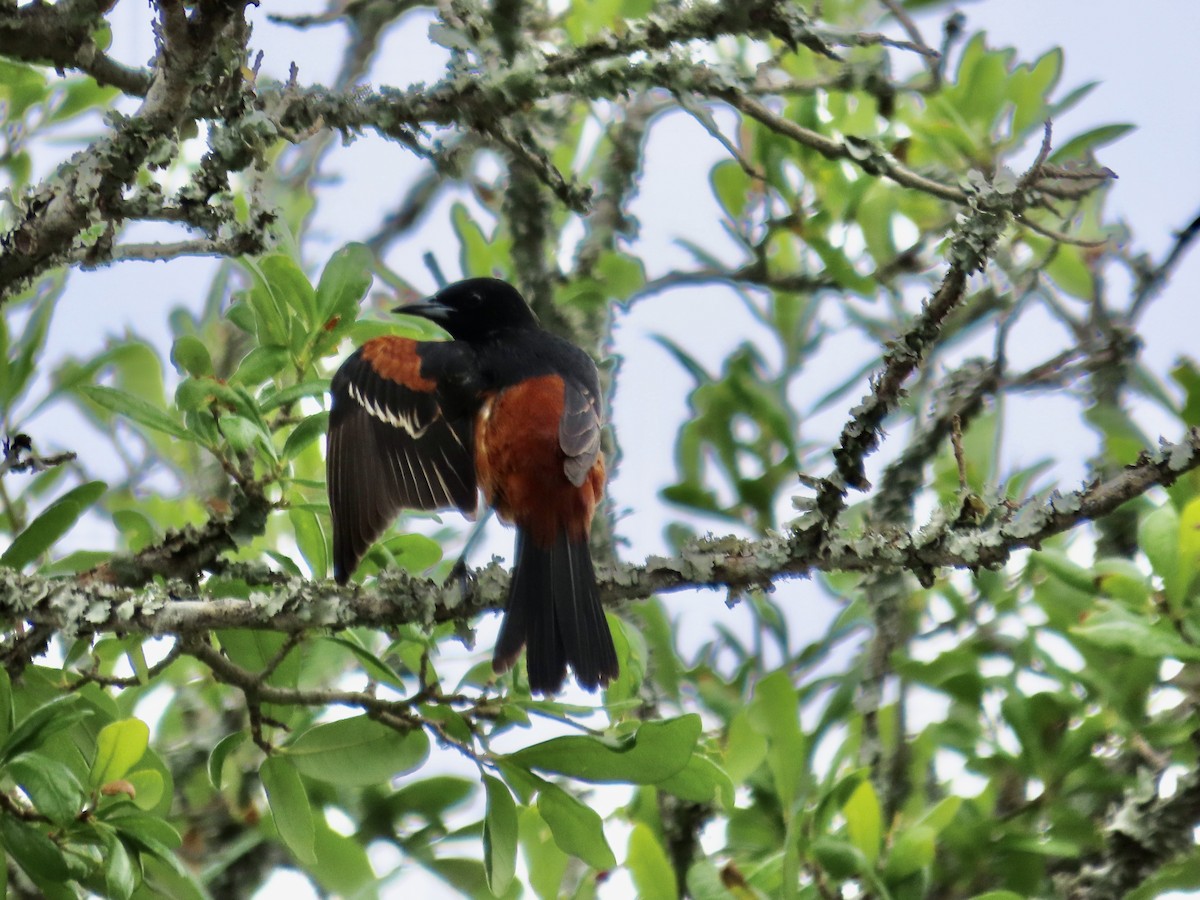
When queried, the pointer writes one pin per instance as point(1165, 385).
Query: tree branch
point(861, 434)
point(77, 607)
point(77, 195)
point(1142, 835)
point(60, 35)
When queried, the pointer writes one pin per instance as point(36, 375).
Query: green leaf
point(166, 877)
point(260, 364)
point(32, 731)
point(136, 654)
point(310, 538)
point(241, 433)
point(1091, 140)
point(839, 858)
point(1189, 546)
point(241, 314)
point(875, 213)
point(191, 357)
point(864, 820)
point(74, 563)
point(304, 434)
point(271, 298)
point(647, 862)
point(146, 831)
point(700, 781)
point(17, 373)
point(586, 20)
point(271, 399)
point(119, 747)
point(1182, 874)
point(193, 394)
point(413, 552)
point(942, 814)
point(51, 524)
point(357, 752)
point(912, 850)
point(431, 798)
point(1070, 270)
point(253, 649)
point(79, 95)
point(1158, 538)
point(135, 409)
point(840, 268)
point(291, 286)
point(481, 255)
point(120, 879)
point(136, 527)
point(343, 867)
point(653, 753)
point(704, 882)
point(1061, 567)
point(775, 712)
point(50, 784)
point(290, 808)
point(499, 835)
point(633, 655)
point(1031, 98)
point(220, 753)
point(1115, 628)
point(344, 282)
point(7, 720)
point(546, 863)
point(32, 850)
point(621, 274)
point(577, 829)
point(745, 747)
point(373, 665)
point(148, 787)
point(1124, 580)
point(732, 186)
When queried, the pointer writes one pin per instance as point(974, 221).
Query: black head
point(475, 309)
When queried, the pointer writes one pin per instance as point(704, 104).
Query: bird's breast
point(519, 460)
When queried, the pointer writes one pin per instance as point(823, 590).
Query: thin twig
point(835, 149)
point(910, 28)
point(1151, 283)
point(1062, 237)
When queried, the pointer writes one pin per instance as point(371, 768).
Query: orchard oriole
point(504, 406)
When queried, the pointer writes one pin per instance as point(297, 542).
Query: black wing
point(391, 446)
point(579, 430)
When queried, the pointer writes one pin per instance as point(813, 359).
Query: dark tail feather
point(554, 609)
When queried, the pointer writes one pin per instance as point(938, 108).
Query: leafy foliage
point(949, 734)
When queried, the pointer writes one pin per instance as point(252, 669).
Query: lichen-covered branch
point(185, 554)
point(861, 434)
point(81, 190)
point(60, 35)
point(1143, 834)
point(619, 175)
point(992, 205)
point(198, 76)
point(293, 604)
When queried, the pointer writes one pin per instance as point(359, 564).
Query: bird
point(503, 407)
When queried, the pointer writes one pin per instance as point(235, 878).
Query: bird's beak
point(426, 309)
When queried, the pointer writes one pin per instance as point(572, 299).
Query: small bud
point(120, 786)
